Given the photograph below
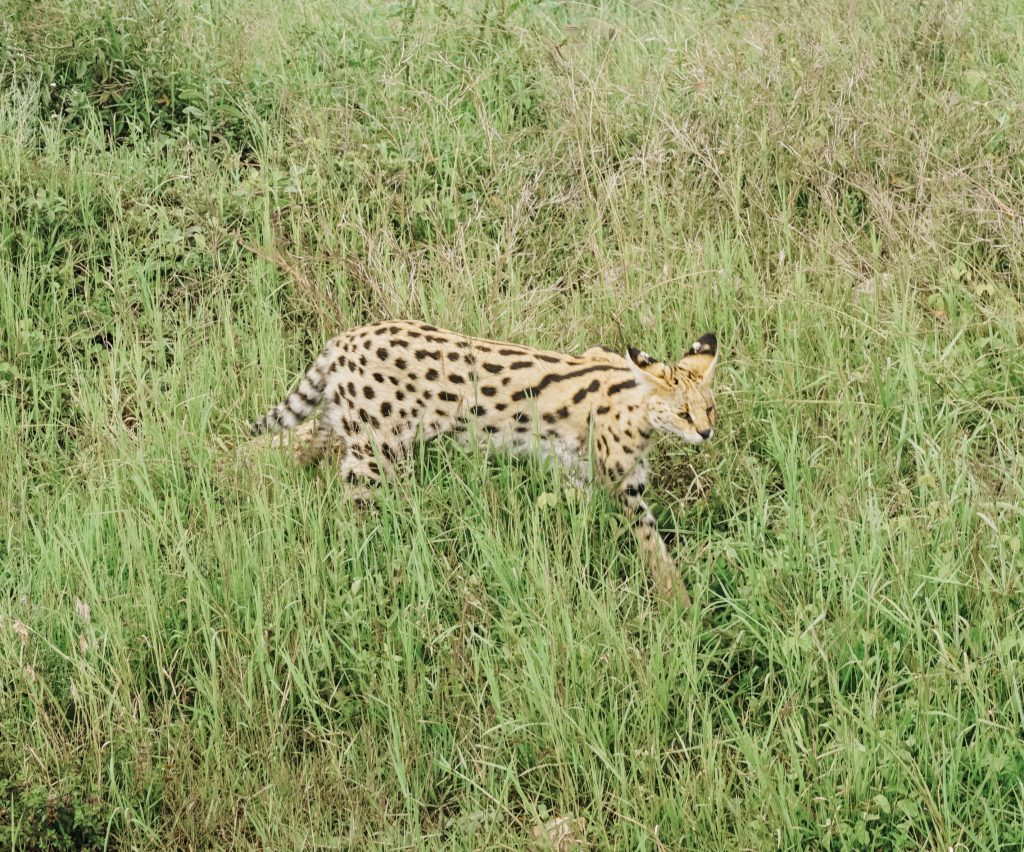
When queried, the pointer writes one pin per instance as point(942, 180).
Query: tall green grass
point(201, 647)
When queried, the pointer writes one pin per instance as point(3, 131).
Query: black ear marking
point(641, 359)
point(707, 345)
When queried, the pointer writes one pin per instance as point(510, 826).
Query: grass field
point(204, 647)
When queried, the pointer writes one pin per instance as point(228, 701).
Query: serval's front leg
point(666, 576)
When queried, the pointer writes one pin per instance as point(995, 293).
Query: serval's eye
point(710, 412)
point(686, 416)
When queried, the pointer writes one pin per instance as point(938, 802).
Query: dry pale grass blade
point(294, 441)
point(561, 834)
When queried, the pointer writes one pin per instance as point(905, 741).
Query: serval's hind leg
point(312, 447)
point(362, 468)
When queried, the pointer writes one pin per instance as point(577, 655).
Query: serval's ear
point(647, 370)
point(700, 361)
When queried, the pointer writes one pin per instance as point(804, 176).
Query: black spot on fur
point(493, 368)
point(378, 378)
point(510, 351)
point(581, 394)
point(478, 411)
point(551, 359)
point(487, 390)
point(400, 395)
point(490, 430)
point(501, 406)
point(362, 360)
point(552, 416)
point(368, 392)
point(385, 409)
point(453, 356)
point(521, 417)
point(448, 397)
point(352, 390)
point(520, 365)
point(456, 379)
point(382, 353)
point(603, 409)
point(427, 353)
point(621, 386)
point(400, 363)
point(431, 375)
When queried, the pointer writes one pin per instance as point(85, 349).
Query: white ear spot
point(641, 359)
point(707, 345)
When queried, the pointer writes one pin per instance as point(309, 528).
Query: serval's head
point(679, 399)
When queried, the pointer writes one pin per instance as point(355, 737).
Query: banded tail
point(300, 403)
